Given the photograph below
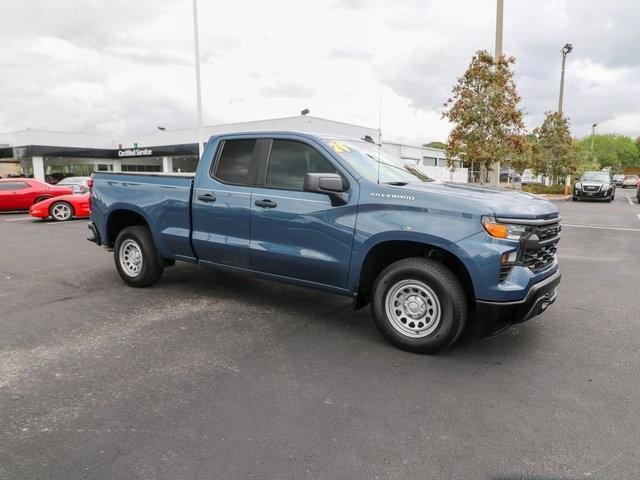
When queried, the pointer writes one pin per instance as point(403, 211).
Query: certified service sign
point(135, 152)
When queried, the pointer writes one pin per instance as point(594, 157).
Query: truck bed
point(162, 199)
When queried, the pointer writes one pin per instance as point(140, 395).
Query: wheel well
point(121, 219)
point(386, 253)
point(41, 198)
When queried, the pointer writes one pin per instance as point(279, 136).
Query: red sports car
point(62, 208)
point(21, 193)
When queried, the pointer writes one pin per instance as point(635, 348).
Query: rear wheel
point(61, 211)
point(419, 305)
point(136, 257)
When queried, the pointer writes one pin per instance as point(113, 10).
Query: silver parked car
point(617, 179)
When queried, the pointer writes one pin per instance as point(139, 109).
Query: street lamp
point(593, 132)
point(565, 50)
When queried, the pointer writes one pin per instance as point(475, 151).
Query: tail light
point(90, 185)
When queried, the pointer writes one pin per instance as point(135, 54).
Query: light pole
point(499, 22)
point(494, 174)
point(593, 132)
point(565, 50)
point(196, 51)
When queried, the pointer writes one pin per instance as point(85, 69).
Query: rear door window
point(234, 161)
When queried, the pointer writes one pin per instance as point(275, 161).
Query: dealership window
point(429, 161)
point(105, 168)
point(233, 163)
point(290, 161)
point(141, 168)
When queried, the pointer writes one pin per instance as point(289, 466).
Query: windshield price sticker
point(339, 147)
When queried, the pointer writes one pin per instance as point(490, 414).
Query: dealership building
point(40, 153)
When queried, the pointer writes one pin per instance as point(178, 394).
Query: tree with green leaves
point(484, 108)
point(611, 150)
point(553, 154)
point(440, 145)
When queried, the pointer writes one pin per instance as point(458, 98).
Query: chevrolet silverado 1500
point(344, 216)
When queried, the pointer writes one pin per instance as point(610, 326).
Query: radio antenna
point(379, 133)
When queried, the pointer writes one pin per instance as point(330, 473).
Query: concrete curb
point(554, 198)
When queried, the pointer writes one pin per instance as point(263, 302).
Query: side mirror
point(330, 184)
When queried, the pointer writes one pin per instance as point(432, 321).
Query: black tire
point(66, 207)
point(574, 199)
point(149, 270)
point(446, 288)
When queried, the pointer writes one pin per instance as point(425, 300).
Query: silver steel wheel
point(61, 211)
point(130, 256)
point(413, 308)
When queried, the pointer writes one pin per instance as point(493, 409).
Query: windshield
point(363, 157)
point(72, 181)
point(595, 177)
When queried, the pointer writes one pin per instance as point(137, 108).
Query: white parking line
point(630, 200)
point(601, 227)
point(18, 219)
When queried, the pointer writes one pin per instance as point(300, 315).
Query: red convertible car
point(62, 208)
point(21, 193)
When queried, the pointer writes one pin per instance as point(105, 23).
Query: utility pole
point(565, 50)
point(196, 51)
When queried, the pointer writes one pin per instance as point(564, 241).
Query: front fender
point(428, 240)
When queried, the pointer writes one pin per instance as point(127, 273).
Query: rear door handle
point(266, 203)
point(207, 197)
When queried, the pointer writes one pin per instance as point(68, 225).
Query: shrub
point(537, 188)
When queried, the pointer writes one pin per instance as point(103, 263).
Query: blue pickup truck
point(344, 216)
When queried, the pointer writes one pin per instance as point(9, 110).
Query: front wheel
point(61, 211)
point(136, 257)
point(419, 305)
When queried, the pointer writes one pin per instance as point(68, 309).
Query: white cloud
point(120, 68)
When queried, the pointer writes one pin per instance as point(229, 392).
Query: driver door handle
point(265, 203)
point(207, 197)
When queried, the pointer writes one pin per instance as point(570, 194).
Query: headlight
point(578, 186)
point(508, 231)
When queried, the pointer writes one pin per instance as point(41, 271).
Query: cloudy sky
point(122, 67)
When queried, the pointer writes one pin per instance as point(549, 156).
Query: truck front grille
point(549, 236)
point(548, 233)
point(540, 259)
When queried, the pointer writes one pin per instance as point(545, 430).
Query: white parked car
point(528, 177)
point(630, 181)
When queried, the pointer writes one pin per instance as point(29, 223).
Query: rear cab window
point(234, 161)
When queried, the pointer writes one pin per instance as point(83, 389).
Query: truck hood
point(503, 203)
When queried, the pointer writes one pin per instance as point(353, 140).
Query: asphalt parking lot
point(212, 375)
